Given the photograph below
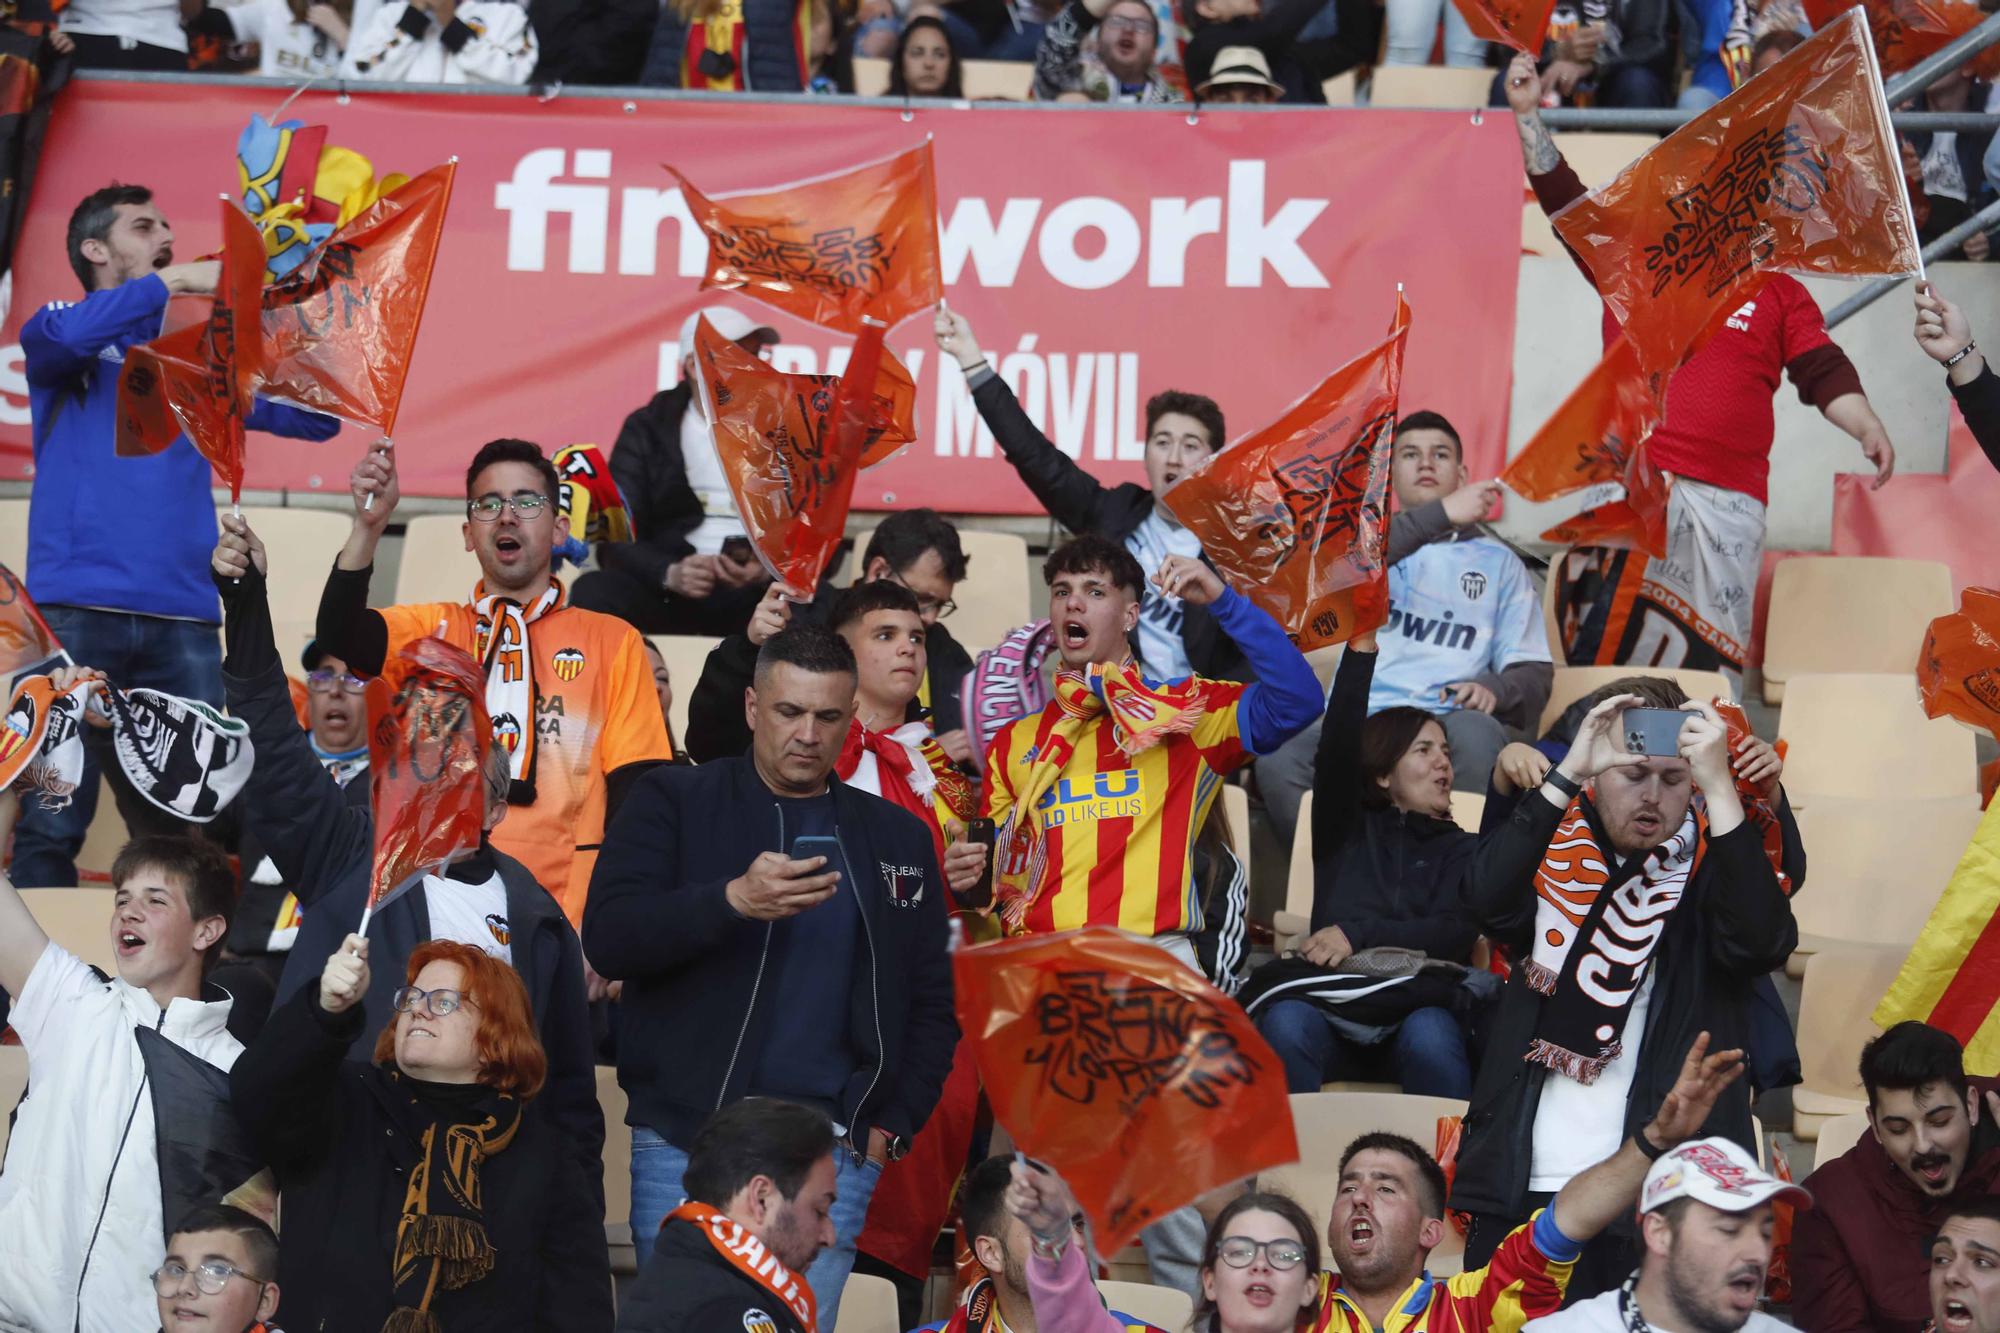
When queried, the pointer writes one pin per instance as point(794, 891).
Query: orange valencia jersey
point(597, 712)
point(1521, 1282)
point(1118, 831)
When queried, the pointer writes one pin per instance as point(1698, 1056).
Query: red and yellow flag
point(340, 330)
point(427, 737)
point(1521, 24)
point(832, 250)
point(1797, 171)
point(1951, 980)
point(1108, 1059)
point(1598, 438)
point(25, 638)
point(791, 445)
point(1295, 515)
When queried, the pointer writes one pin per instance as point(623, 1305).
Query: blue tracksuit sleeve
point(62, 338)
point(1285, 697)
point(293, 422)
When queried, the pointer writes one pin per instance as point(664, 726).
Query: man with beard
point(1706, 1216)
point(1858, 1258)
point(740, 1263)
point(1389, 1216)
point(1965, 1269)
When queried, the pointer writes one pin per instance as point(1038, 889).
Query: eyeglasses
point(325, 679)
point(436, 1003)
point(486, 509)
point(929, 607)
point(1129, 24)
point(1240, 1251)
point(210, 1278)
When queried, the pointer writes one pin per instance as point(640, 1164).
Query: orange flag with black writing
point(1905, 31)
point(428, 733)
point(1521, 24)
point(200, 379)
point(340, 329)
point(1597, 438)
point(792, 445)
point(25, 638)
point(1295, 515)
point(1797, 171)
point(1958, 672)
point(1114, 1063)
point(831, 250)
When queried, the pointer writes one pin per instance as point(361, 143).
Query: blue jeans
point(182, 657)
point(1428, 1054)
point(1413, 26)
point(657, 1168)
point(1007, 44)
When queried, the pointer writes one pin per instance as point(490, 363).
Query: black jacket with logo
point(686, 1287)
point(658, 918)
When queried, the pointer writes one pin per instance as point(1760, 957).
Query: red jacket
point(1857, 1254)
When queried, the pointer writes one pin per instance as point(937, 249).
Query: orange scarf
point(746, 1253)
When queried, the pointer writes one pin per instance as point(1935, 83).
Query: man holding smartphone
point(780, 933)
point(1642, 902)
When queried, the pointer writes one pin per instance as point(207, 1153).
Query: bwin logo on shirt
point(1440, 632)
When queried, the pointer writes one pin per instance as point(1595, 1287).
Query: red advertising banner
point(1101, 255)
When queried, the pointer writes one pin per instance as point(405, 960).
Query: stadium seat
point(1876, 867)
point(300, 545)
point(1162, 1307)
point(1328, 1122)
point(14, 536)
point(1341, 89)
point(1867, 736)
point(1843, 983)
point(13, 1082)
point(1837, 1135)
point(1597, 160)
point(867, 1305)
point(685, 655)
point(1291, 925)
point(1574, 682)
point(1236, 809)
point(1551, 627)
point(1429, 86)
point(433, 565)
point(996, 595)
point(981, 80)
point(617, 1172)
point(1467, 809)
point(77, 919)
point(1850, 613)
point(104, 838)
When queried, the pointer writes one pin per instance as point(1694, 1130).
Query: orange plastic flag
point(832, 249)
point(427, 738)
point(1295, 514)
point(1905, 31)
point(25, 638)
point(1958, 672)
point(1521, 24)
point(1106, 1058)
point(1597, 438)
point(339, 331)
point(200, 379)
point(1797, 171)
point(790, 466)
point(1635, 521)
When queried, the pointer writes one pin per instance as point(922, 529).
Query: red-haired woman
point(425, 1193)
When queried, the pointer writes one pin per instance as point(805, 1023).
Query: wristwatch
point(894, 1147)
point(1563, 783)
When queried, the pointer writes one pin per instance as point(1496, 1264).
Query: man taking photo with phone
point(780, 934)
point(1642, 893)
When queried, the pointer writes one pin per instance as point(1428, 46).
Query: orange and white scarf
point(500, 641)
point(749, 1256)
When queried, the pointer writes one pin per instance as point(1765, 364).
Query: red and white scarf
point(913, 771)
point(748, 1255)
point(500, 640)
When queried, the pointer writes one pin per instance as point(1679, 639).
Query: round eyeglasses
point(325, 680)
point(209, 1278)
point(437, 1003)
point(486, 509)
point(1241, 1251)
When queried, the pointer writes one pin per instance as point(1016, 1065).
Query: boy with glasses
point(211, 1280)
point(570, 691)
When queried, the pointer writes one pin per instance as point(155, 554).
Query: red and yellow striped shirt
point(1118, 832)
point(1519, 1283)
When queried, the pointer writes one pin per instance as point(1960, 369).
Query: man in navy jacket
point(754, 966)
point(118, 547)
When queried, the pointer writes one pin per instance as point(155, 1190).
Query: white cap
point(1718, 1173)
point(728, 321)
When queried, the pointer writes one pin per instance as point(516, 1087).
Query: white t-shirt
point(705, 477)
point(474, 914)
point(1600, 1314)
point(1576, 1127)
point(286, 48)
point(151, 22)
point(1161, 651)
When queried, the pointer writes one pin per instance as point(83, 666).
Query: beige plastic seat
point(1552, 627)
point(1837, 1135)
point(1341, 89)
point(1008, 80)
point(14, 536)
point(1429, 86)
point(300, 545)
point(1843, 984)
point(685, 656)
point(1328, 1121)
point(1575, 682)
point(1867, 736)
point(996, 595)
point(1850, 613)
point(434, 565)
point(867, 1305)
point(105, 837)
point(1597, 160)
point(1291, 925)
point(1875, 868)
point(617, 1172)
point(77, 919)
point(1467, 809)
point(1162, 1307)
point(13, 1082)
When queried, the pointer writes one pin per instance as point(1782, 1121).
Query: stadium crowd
point(752, 923)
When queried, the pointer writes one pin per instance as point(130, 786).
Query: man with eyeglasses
point(1122, 69)
point(570, 691)
point(210, 1280)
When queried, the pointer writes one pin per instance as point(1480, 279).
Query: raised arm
point(64, 337)
point(345, 626)
point(1337, 785)
point(22, 938)
point(1285, 698)
point(717, 724)
point(283, 1086)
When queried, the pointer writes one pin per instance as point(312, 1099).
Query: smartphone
point(980, 831)
point(1653, 731)
point(739, 550)
point(806, 847)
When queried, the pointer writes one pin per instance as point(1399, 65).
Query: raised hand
point(1042, 1201)
point(1189, 579)
point(1520, 767)
point(1596, 746)
point(1471, 502)
point(238, 550)
point(373, 486)
point(772, 614)
point(344, 979)
point(1684, 1110)
point(955, 337)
